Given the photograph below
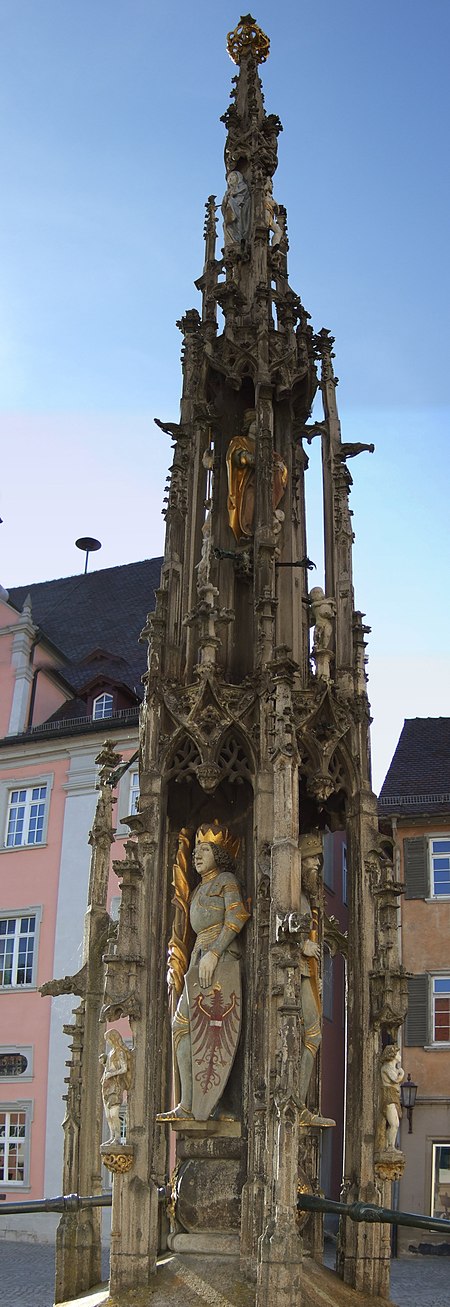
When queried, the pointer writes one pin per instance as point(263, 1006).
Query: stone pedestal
point(206, 1190)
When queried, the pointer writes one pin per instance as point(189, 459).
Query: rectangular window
point(134, 793)
point(26, 816)
point(441, 1009)
point(13, 1145)
point(327, 985)
point(17, 950)
point(440, 866)
point(440, 1181)
point(16, 1063)
point(328, 860)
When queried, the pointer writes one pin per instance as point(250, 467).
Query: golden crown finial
point(216, 834)
point(248, 38)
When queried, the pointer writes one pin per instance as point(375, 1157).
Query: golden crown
point(217, 834)
point(311, 844)
point(248, 38)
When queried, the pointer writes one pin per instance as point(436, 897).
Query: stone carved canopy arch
point(209, 762)
point(236, 362)
point(326, 775)
point(234, 758)
point(342, 768)
point(182, 759)
point(321, 737)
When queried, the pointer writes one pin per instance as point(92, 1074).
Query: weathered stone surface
point(194, 1279)
point(208, 1195)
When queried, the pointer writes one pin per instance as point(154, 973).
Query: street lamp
point(408, 1094)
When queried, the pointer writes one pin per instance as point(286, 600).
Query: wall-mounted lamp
point(408, 1095)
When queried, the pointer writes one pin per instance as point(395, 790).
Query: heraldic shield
point(215, 1016)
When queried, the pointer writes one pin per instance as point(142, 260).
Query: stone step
point(188, 1281)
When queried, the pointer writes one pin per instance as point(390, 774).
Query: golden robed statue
point(207, 1020)
point(241, 457)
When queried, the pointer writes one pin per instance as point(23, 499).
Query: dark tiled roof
point(418, 779)
point(103, 611)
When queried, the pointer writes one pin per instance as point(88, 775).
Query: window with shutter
point(416, 1024)
point(415, 861)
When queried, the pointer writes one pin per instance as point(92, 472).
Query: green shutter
point(416, 1024)
point(415, 861)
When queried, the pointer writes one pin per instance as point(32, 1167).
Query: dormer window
point(102, 707)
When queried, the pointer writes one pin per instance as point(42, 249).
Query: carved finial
point(107, 760)
point(246, 39)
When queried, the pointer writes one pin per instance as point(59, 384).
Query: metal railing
point(370, 1212)
point(305, 1202)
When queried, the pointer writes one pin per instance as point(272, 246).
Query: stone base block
point(208, 1195)
point(209, 1245)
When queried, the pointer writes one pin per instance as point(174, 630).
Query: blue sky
point(110, 143)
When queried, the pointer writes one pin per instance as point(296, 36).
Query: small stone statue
point(204, 566)
point(322, 618)
point(391, 1075)
point(236, 210)
point(311, 987)
point(271, 212)
point(116, 1081)
point(207, 1020)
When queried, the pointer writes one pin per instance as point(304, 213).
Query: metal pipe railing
point(65, 1203)
point(305, 1202)
point(369, 1212)
point(68, 1203)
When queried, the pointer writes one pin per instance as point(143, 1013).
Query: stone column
point(280, 1250)
point(78, 1242)
point(364, 1250)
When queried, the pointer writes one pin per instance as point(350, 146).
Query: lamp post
point(408, 1094)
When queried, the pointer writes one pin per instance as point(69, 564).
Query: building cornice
point(28, 751)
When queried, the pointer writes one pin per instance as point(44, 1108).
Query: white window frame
point(134, 793)
point(432, 854)
point(16, 1050)
point(17, 915)
point(127, 790)
point(26, 1108)
point(114, 907)
point(106, 698)
point(439, 1143)
point(438, 1043)
point(28, 783)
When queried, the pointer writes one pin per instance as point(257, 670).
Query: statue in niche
point(323, 612)
point(116, 1081)
point(207, 1020)
point(271, 212)
point(236, 210)
point(311, 986)
point(204, 566)
point(391, 1076)
point(241, 458)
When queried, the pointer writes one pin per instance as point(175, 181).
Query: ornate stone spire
point(248, 720)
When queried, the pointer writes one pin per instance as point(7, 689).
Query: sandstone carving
point(207, 1020)
point(116, 1081)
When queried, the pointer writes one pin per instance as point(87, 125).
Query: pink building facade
point(70, 676)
